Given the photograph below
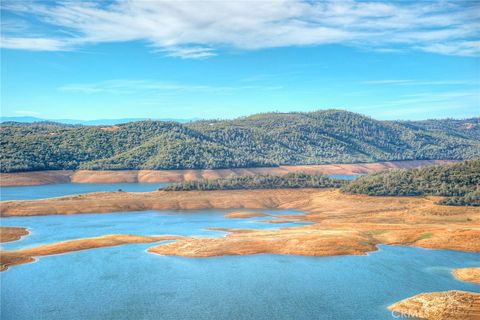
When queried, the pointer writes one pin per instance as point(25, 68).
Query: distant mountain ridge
point(97, 122)
point(468, 128)
point(270, 139)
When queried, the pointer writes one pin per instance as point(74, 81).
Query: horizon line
point(4, 119)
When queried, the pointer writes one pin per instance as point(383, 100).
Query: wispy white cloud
point(388, 81)
point(34, 44)
point(189, 52)
point(129, 86)
point(414, 105)
point(195, 29)
point(404, 82)
point(459, 48)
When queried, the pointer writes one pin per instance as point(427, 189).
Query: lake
point(126, 282)
point(63, 189)
point(55, 228)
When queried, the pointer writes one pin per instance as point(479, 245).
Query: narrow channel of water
point(63, 189)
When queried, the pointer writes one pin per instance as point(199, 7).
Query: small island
point(467, 274)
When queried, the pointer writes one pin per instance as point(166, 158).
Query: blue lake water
point(54, 228)
point(345, 176)
point(126, 282)
point(63, 189)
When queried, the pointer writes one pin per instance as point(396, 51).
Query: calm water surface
point(54, 228)
point(345, 176)
point(63, 189)
point(126, 282)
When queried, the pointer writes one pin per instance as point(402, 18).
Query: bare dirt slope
point(158, 176)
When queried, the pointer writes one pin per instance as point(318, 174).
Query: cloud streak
point(408, 82)
point(129, 86)
point(197, 29)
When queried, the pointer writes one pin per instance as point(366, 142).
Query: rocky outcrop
point(449, 305)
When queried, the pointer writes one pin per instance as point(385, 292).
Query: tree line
point(292, 180)
point(458, 183)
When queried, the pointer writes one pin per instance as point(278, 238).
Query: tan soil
point(467, 274)
point(449, 305)
point(10, 258)
point(8, 234)
point(158, 176)
point(342, 223)
point(244, 214)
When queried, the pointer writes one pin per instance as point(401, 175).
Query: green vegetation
point(271, 139)
point(469, 199)
point(259, 181)
point(424, 236)
point(466, 128)
point(460, 183)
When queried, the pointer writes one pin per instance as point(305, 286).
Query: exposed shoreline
point(22, 256)
point(341, 224)
point(448, 305)
point(244, 214)
point(160, 176)
point(467, 274)
point(9, 234)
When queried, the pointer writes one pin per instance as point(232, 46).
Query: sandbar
point(467, 274)
point(244, 214)
point(279, 221)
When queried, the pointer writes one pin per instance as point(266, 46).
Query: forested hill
point(329, 136)
point(459, 182)
point(467, 128)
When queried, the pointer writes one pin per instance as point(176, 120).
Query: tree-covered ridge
point(459, 182)
point(270, 139)
point(466, 128)
point(260, 181)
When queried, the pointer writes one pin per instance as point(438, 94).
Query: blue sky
point(110, 59)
